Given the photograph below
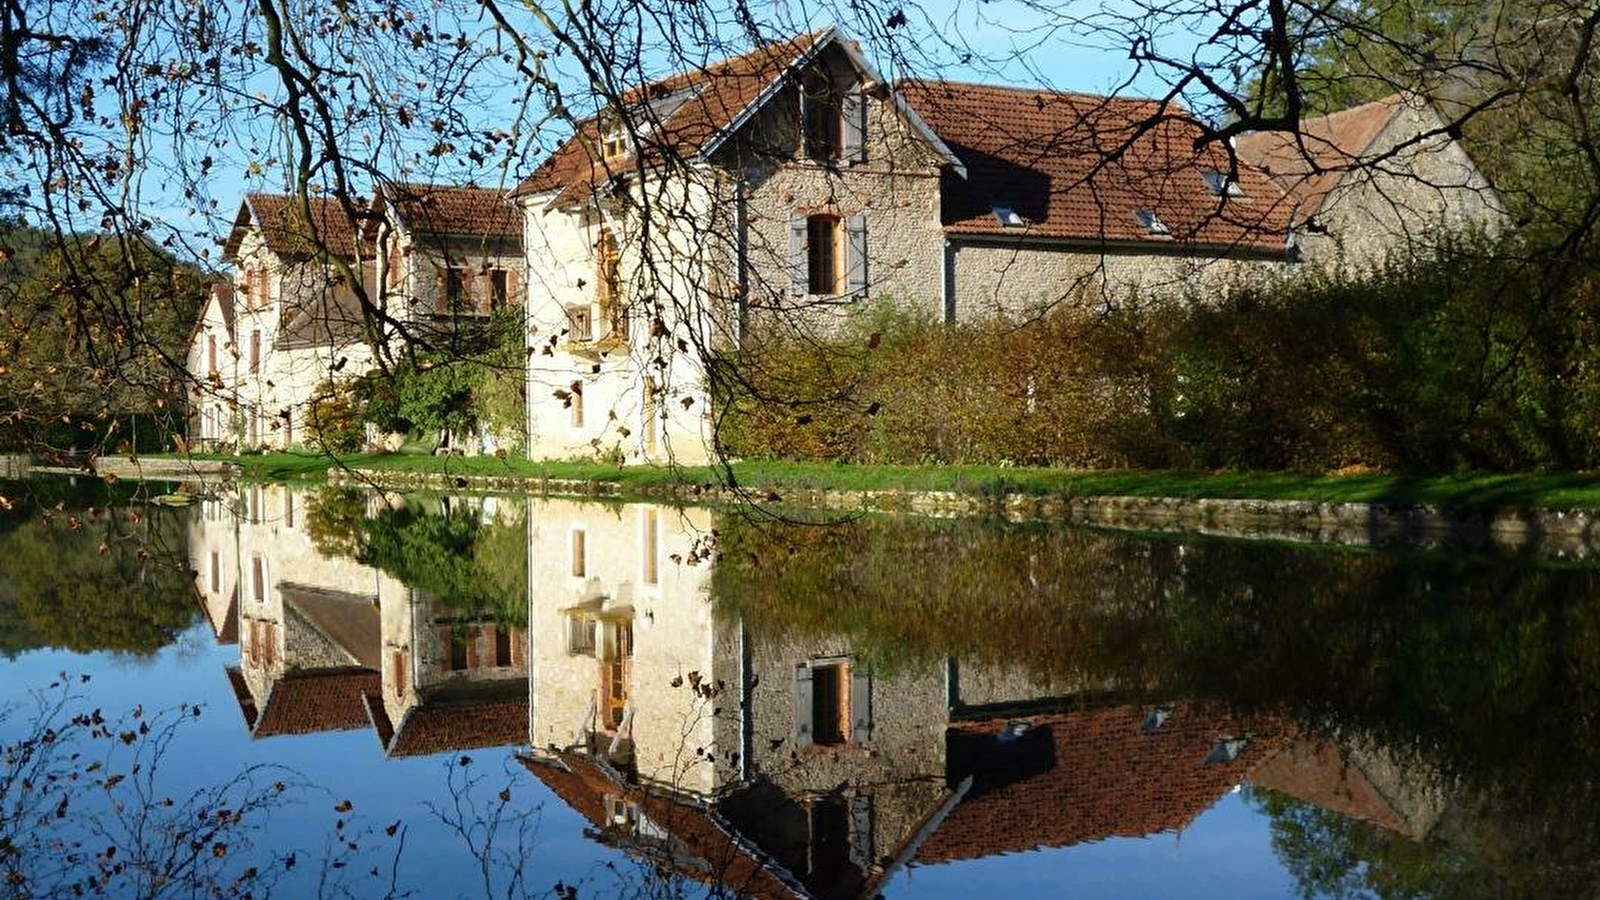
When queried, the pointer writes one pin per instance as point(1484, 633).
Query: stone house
point(435, 261)
point(1376, 180)
point(288, 320)
point(782, 191)
point(444, 252)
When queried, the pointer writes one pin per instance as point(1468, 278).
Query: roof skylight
point(1151, 222)
point(1220, 184)
point(1008, 216)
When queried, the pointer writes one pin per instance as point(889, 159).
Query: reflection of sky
point(349, 764)
point(1225, 852)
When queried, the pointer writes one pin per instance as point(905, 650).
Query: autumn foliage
point(1481, 358)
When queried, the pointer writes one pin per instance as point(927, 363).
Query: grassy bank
point(1555, 491)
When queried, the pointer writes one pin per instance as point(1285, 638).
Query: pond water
point(284, 693)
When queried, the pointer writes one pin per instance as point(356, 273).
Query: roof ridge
point(1032, 89)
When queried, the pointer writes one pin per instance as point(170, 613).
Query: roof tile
point(1310, 162)
point(1081, 167)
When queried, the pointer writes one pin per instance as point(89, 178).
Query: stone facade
point(717, 252)
point(291, 320)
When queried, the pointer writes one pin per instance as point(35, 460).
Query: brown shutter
point(445, 657)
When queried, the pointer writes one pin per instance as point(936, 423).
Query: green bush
point(335, 420)
point(1481, 358)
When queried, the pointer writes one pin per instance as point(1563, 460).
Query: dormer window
point(1151, 222)
point(614, 140)
point(1008, 216)
point(1220, 184)
point(822, 116)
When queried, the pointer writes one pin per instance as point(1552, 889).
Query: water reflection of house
point(214, 560)
point(327, 643)
point(1356, 780)
point(789, 765)
point(1066, 778)
point(456, 678)
point(306, 624)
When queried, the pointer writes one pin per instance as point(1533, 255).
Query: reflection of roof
point(718, 859)
point(1310, 163)
point(443, 727)
point(449, 210)
point(348, 619)
point(1080, 167)
point(302, 703)
point(1085, 776)
point(287, 231)
point(703, 102)
point(1315, 771)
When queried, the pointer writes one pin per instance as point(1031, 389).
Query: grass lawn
point(1568, 490)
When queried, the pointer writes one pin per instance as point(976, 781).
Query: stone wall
point(1013, 279)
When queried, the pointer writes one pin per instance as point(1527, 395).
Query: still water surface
point(348, 694)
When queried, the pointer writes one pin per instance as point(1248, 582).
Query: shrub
point(336, 421)
point(1481, 357)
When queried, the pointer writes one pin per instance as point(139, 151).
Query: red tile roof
point(309, 703)
point(712, 97)
point(456, 211)
point(1085, 776)
point(445, 727)
point(1309, 163)
point(583, 786)
point(289, 233)
point(1078, 167)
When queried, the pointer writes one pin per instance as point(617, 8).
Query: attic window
point(1008, 216)
point(821, 115)
point(1220, 184)
point(614, 140)
point(1151, 222)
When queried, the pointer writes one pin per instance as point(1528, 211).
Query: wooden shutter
point(799, 272)
point(803, 705)
point(446, 659)
point(853, 110)
point(860, 706)
point(861, 831)
point(856, 240)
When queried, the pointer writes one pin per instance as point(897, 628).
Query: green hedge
point(1481, 357)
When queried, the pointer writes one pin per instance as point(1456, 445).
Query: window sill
point(594, 348)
